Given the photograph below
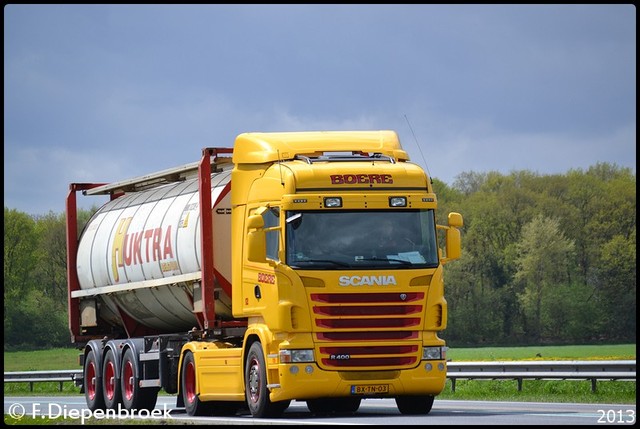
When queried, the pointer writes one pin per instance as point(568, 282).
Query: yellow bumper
point(301, 381)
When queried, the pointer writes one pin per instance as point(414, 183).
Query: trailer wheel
point(192, 403)
point(110, 384)
point(92, 384)
point(255, 386)
point(415, 404)
point(135, 397)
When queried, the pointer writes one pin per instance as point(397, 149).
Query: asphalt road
point(371, 412)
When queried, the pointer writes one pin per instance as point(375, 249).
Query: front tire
point(255, 386)
point(415, 405)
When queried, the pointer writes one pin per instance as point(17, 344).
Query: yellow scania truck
point(300, 266)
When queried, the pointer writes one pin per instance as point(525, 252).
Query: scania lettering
point(300, 266)
point(367, 280)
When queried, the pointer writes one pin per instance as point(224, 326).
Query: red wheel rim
point(190, 382)
point(110, 380)
point(254, 381)
point(91, 380)
point(127, 374)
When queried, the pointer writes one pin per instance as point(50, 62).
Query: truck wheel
point(415, 404)
point(192, 403)
point(110, 384)
point(135, 397)
point(92, 384)
point(255, 386)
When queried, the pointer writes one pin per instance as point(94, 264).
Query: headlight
point(397, 201)
point(333, 202)
point(434, 353)
point(296, 356)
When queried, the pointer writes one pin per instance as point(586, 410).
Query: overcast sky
point(100, 93)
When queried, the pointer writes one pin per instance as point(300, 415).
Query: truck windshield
point(361, 239)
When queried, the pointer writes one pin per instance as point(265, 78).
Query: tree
point(19, 246)
point(19, 260)
point(616, 296)
point(51, 270)
point(35, 279)
point(543, 260)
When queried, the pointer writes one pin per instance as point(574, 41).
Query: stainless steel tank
point(155, 234)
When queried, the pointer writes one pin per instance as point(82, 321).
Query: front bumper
point(301, 381)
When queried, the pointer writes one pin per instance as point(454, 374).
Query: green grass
point(592, 352)
point(607, 392)
point(573, 391)
point(41, 360)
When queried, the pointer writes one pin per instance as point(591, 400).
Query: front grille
point(367, 298)
point(367, 336)
point(368, 323)
point(369, 362)
point(368, 350)
point(361, 310)
point(365, 329)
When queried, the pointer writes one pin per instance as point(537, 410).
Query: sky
point(103, 93)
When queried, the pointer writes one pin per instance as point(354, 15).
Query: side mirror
point(255, 222)
point(455, 220)
point(453, 245)
point(256, 239)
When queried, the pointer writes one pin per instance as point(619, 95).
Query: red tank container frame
point(207, 317)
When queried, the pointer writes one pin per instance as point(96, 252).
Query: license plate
point(369, 389)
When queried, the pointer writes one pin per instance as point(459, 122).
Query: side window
point(272, 220)
point(429, 237)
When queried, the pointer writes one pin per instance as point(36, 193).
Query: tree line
point(546, 259)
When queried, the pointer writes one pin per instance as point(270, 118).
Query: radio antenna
point(419, 148)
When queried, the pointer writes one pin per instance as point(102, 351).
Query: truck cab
point(341, 274)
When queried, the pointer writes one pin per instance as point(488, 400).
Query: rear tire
point(110, 383)
point(415, 405)
point(93, 383)
point(135, 397)
point(192, 403)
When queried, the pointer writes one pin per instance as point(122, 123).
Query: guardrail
point(619, 370)
point(61, 376)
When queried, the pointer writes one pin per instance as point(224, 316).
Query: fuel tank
point(150, 235)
